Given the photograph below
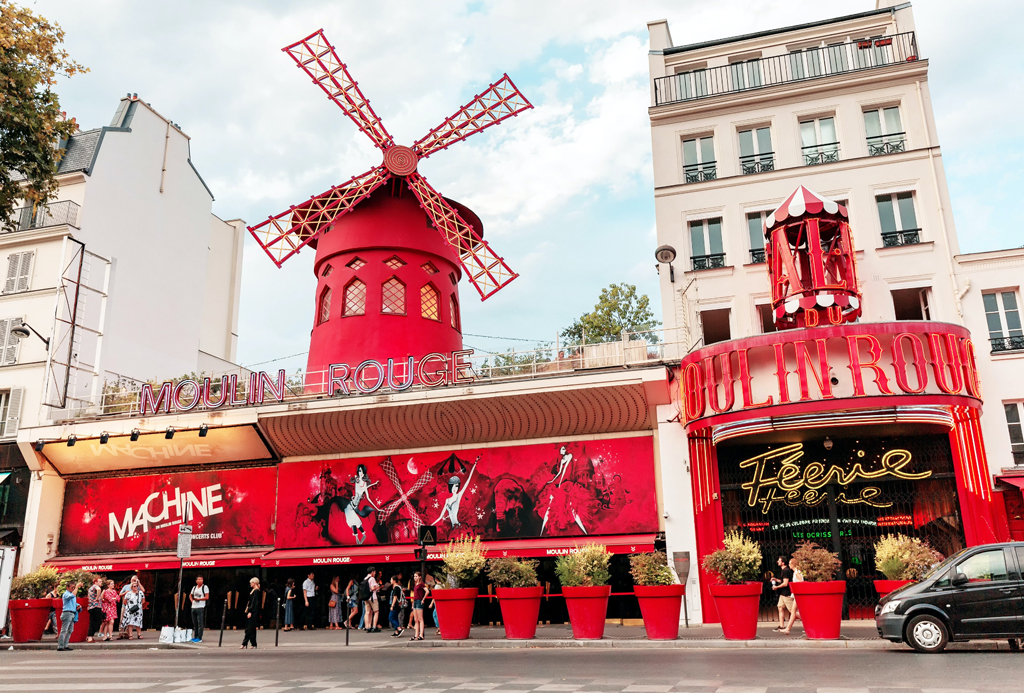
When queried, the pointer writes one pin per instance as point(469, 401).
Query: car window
point(1020, 561)
point(987, 566)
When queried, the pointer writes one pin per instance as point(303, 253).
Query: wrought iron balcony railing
point(898, 238)
point(756, 256)
point(40, 216)
point(705, 171)
point(704, 262)
point(880, 145)
point(1007, 344)
point(797, 66)
point(759, 163)
point(816, 154)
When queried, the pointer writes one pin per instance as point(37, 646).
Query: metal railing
point(42, 216)
point(817, 154)
point(704, 262)
point(756, 256)
point(797, 66)
point(706, 171)
point(1006, 344)
point(757, 163)
point(894, 239)
point(880, 145)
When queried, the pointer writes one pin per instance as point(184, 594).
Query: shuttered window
point(10, 411)
point(19, 268)
point(9, 343)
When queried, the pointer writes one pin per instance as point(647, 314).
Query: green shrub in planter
point(737, 562)
point(900, 557)
point(586, 567)
point(512, 572)
point(462, 562)
point(816, 563)
point(651, 569)
point(36, 584)
point(70, 577)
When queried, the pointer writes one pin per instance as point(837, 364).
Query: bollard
point(277, 621)
point(223, 624)
point(347, 627)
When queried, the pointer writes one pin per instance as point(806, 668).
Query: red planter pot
point(737, 609)
point(520, 608)
point(455, 610)
point(28, 618)
point(884, 587)
point(81, 630)
point(660, 606)
point(821, 607)
point(588, 607)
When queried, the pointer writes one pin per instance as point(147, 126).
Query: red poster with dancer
point(597, 487)
point(229, 508)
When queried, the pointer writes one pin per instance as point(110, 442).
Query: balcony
point(706, 171)
point(1000, 344)
point(880, 145)
point(756, 256)
point(895, 239)
point(790, 68)
point(817, 154)
point(706, 262)
point(759, 163)
point(40, 216)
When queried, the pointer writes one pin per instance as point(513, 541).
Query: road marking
point(559, 687)
point(639, 688)
point(196, 689)
point(64, 686)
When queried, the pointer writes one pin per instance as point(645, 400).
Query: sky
point(564, 190)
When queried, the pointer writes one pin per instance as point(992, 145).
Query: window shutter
point(13, 412)
point(24, 271)
point(11, 343)
point(13, 264)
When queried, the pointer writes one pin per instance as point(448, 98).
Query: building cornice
point(1008, 257)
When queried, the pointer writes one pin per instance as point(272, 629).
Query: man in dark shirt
point(787, 602)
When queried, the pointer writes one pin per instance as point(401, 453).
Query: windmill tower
point(390, 250)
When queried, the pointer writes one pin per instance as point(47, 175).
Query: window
point(393, 297)
point(867, 54)
point(699, 159)
point(911, 304)
point(756, 155)
point(706, 244)
point(428, 268)
point(1012, 411)
point(451, 276)
point(805, 63)
point(898, 220)
point(1003, 317)
point(746, 74)
point(355, 298)
point(837, 58)
point(394, 262)
point(327, 270)
point(453, 306)
point(19, 266)
point(987, 566)
point(356, 263)
point(9, 343)
point(755, 228)
point(323, 313)
point(692, 84)
point(885, 131)
point(430, 302)
point(766, 317)
point(819, 142)
point(715, 325)
point(10, 411)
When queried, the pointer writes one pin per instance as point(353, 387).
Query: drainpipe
point(167, 140)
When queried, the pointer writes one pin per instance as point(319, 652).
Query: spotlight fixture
point(203, 430)
point(39, 445)
point(104, 437)
point(135, 435)
point(72, 439)
point(828, 443)
point(170, 433)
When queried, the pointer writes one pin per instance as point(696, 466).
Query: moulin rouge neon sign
point(432, 370)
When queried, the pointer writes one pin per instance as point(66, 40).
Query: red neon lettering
point(856, 365)
point(424, 375)
point(693, 391)
point(154, 403)
point(811, 318)
point(821, 374)
point(461, 367)
point(899, 362)
point(725, 365)
point(196, 395)
point(336, 379)
point(265, 383)
point(781, 372)
point(748, 395)
point(209, 403)
point(969, 360)
point(942, 365)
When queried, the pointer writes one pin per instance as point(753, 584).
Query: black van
point(975, 594)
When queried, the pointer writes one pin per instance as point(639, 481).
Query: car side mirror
point(959, 580)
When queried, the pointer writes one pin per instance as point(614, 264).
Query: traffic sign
point(185, 544)
point(428, 535)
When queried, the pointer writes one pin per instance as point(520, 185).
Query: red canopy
point(801, 202)
point(1017, 481)
point(340, 555)
point(99, 563)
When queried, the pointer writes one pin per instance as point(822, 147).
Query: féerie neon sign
point(797, 486)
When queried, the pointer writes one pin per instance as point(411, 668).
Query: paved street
point(360, 670)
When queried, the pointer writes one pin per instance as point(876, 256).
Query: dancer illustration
point(450, 509)
point(564, 497)
point(353, 513)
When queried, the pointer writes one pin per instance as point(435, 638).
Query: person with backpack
point(398, 605)
point(368, 596)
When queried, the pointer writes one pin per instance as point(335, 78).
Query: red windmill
point(387, 261)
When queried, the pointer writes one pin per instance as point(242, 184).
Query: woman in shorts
point(419, 593)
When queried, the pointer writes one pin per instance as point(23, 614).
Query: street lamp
point(666, 254)
point(24, 330)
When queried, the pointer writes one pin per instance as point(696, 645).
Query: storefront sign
point(857, 360)
point(227, 508)
point(572, 489)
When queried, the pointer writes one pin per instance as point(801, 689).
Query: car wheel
point(926, 633)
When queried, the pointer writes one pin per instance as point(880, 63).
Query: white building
point(128, 274)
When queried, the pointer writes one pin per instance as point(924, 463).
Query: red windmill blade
point(284, 234)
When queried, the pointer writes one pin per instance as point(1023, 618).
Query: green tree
point(31, 122)
point(619, 308)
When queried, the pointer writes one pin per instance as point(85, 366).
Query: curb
point(693, 644)
point(83, 647)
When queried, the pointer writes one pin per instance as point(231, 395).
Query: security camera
point(665, 515)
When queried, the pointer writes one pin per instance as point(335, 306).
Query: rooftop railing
point(42, 216)
point(797, 66)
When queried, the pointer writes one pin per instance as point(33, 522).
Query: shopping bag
point(182, 635)
point(167, 634)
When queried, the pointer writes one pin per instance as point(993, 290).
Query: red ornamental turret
point(811, 263)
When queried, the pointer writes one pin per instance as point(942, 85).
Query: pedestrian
point(429, 601)
point(127, 587)
point(289, 604)
point(787, 602)
point(252, 614)
point(51, 620)
point(419, 592)
point(309, 601)
point(368, 595)
point(352, 597)
point(131, 609)
point(95, 595)
point(334, 607)
point(396, 603)
point(68, 615)
point(110, 599)
point(199, 595)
